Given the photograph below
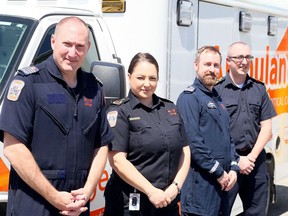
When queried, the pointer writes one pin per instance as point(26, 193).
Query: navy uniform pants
point(252, 188)
point(23, 200)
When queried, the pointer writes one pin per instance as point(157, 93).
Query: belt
point(63, 174)
point(244, 151)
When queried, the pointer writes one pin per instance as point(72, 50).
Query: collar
point(228, 81)
point(135, 102)
point(197, 83)
point(55, 72)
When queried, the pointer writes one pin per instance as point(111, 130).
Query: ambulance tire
point(3, 206)
point(271, 186)
point(268, 198)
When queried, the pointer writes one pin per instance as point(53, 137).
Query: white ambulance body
point(172, 31)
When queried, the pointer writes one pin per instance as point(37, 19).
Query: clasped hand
point(161, 198)
point(74, 202)
point(246, 164)
point(227, 180)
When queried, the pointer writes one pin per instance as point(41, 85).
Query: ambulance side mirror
point(112, 75)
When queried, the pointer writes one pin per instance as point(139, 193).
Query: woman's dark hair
point(140, 57)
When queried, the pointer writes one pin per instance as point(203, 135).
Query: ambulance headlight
point(245, 21)
point(184, 12)
point(272, 25)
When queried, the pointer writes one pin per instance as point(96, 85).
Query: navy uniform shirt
point(153, 138)
point(60, 127)
point(207, 125)
point(247, 106)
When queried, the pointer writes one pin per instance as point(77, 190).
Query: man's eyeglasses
point(240, 58)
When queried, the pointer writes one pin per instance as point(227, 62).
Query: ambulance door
point(217, 23)
point(182, 44)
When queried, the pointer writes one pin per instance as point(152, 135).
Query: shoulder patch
point(15, 90)
point(28, 70)
point(189, 89)
point(112, 118)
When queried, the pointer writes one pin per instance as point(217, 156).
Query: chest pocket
point(175, 134)
point(209, 110)
point(174, 121)
point(232, 107)
point(90, 119)
point(139, 129)
point(52, 117)
point(137, 125)
point(254, 103)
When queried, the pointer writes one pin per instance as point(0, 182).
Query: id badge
point(134, 201)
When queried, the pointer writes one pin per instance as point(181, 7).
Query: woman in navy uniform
point(149, 155)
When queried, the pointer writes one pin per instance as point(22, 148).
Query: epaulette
point(190, 89)
point(220, 80)
point(118, 102)
point(28, 70)
point(165, 99)
point(98, 80)
point(257, 80)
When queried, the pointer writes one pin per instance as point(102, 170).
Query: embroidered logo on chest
point(211, 105)
point(88, 102)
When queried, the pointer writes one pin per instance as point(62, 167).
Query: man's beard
point(208, 81)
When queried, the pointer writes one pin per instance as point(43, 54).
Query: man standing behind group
point(250, 111)
point(55, 130)
point(213, 169)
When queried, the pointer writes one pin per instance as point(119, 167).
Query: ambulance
point(172, 31)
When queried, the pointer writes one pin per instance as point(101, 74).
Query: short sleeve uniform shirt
point(247, 106)
point(153, 138)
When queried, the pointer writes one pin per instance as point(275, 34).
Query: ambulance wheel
point(3, 206)
point(271, 190)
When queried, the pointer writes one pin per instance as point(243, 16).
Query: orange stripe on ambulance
point(4, 176)
point(273, 72)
